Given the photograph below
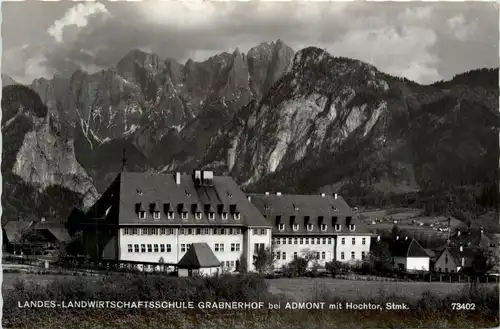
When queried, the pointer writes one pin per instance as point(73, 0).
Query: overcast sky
point(422, 41)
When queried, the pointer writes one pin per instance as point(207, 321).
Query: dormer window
point(198, 215)
point(224, 215)
point(338, 227)
point(156, 214)
point(352, 227)
point(335, 208)
point(323, 227)
point(295, 227)
point(237, 216)
point(310, 227)
point(184, 215)
point(142, 214)
point(295, 207)
point(170, 215)
point(281, 227)
point(266, 207)
point(211, 215)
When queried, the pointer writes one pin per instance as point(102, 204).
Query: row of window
point(322, 255)
point(168, 247)
point(312, 241)
point(185, 215)
point(322, 227)
point(182, 231)
point(260, 231)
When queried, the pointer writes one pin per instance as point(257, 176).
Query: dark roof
point(307, 209)
point(407, 248)
point(430, 252)
point(199, 255)
point(15, 229)
point(58, 230)
point(470, 238)
point(147, 188)
point(458, 254)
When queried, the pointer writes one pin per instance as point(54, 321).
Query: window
point(215, 231)
point(281, 227)
point(198, 231)
point(206, 231)
point(189, 231)
point(289, 240)
point(156, 214)
point(342, 241)
point(183, 248)
point(312, 240)
point(169, 247)
point(353, 255)
point(278, 255)
point(144, 231)
point(277, 241)
point(255, 231)
point(323, 227)
point(342, 255)
point(129, 248)
point(135, 231)
point(263, 231)
point(317, 255)
point(329, 240)
point(223, 231)
point(352, 227)
point(323, 255)
point(363, 241)
point(170, 215)
point(163, 231)
point(283, 255)
point(310, 227)
point(126, 231)
point(301, 241)
point(318, 241)
point(440, 269)
point(162, 248)
point(237, 216)
point(150, 248)
point(324, 240)
point(211, 215)
point(230, 231)
point(307, 240)
point(237, 231)
point(224, 215)
point(221, 247)
point(237, 247)
point(171, 231)
point(338, 227)
point(182, 231)
point(446, 259)
point(363, 254)
point(198, 215)
point(154, 231)
point(184, 215)
point(155, 248)
point(143, 248)
point(216, 248)
point(142, 215)
point(295, 255)
point(353, 241)
point(136, 248)
point(233, 247)
point(295, 240)
point(295, 227)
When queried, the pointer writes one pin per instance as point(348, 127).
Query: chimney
point(458, 232)
point(461, 248)
point(406, 238)
point(335, 196)
point(323, 195)
point(249, 198)
point(378, 238)
point(178, 178)
point(278, 193)
point(267, 193)
point(397, 237)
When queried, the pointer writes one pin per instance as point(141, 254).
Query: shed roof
point(199, 255)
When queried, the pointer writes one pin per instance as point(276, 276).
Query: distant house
point(199, 260)
point(471, 238)
point(408, 255)
point(452, 259)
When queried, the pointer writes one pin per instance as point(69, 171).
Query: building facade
point(319, 227)
point(145, 218)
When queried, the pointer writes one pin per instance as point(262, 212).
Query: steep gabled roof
point(15, 229)
point(407, 248)
point(58, 230)
point(199, 255)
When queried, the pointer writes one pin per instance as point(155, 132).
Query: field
point(302, 289)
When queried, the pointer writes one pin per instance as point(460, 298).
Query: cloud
point(460, 28)
point(77, 16)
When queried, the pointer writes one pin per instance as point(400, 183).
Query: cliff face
point(36, 160)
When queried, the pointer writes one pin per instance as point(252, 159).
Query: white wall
point(301, 248)
point(417, 264)
point(176, 241)
point(252, 239)
point(348, 247)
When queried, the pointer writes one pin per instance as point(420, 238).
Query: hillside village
point(201, 224)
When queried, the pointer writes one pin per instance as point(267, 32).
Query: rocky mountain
point(39, 168)
point(7, 81)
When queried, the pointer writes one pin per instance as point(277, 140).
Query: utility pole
point(448, 212)
point(124, 159)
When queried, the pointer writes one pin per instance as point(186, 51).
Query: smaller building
point(199, 260)
point(408, 255)
point(455, 259)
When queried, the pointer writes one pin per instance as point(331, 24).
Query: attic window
point(184, 215)
point(170, 215)
point(295, 227)
point(323, 227)
point(338, 227)
point(224, 215)
point(142, 214)
point(352, 227)
point(266, 207)
point(139, 192)
point(295, 207)
point(237, 216)
point(229, 195)
point(211, 215)
point(156, 214)
point(198, 215)
point(281, 227)
point(187, 193)
point(335, 208)
point(310, 227)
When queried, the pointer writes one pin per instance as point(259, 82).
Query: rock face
point(36, 160)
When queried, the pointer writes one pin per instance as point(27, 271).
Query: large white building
point(145, 218)
point(322, 226)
